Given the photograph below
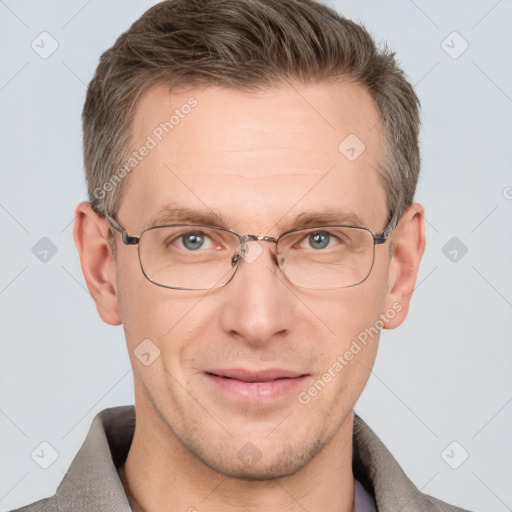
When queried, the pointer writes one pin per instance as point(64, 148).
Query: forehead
point(286, 151)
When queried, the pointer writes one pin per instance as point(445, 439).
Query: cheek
point(353, 317)
point(347, 312)
point(172, 319)
point(147, 310)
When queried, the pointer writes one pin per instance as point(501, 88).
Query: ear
point(90, 233)
point(408, 247)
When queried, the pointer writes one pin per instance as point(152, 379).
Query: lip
point(255, 386)
point(255, 376)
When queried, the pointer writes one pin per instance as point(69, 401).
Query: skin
point(258, 160)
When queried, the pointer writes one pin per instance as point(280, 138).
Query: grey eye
point(319, 239)
point(193, 241)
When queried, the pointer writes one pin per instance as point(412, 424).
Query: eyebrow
point(183, 215)
point(329, 217)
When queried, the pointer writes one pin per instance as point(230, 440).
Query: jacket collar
point(92, 483)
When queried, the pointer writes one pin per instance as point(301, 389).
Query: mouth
point(255, 386)
point(255, 376)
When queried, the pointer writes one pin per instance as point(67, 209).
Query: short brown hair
point(246, 45)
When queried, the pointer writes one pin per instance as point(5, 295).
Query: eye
point(194, 240)
point(318, 239)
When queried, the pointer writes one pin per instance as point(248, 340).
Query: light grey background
point(444, 376)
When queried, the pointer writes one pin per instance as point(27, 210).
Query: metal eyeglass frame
point(378, 239)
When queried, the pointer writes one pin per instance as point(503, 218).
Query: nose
point(257, 305)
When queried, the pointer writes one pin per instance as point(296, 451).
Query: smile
point(255, 387)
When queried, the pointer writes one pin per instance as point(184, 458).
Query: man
point(251, 167)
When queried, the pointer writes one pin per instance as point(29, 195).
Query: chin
point(252, 464)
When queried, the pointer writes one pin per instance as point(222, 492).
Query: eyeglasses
point(201, 257)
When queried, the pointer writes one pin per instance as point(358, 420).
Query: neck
point(161, 474)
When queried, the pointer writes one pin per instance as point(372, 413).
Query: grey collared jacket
point(92, 482)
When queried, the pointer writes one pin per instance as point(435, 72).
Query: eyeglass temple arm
point(127, 239)
point(382, 237)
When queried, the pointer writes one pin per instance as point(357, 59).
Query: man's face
point(260, 162)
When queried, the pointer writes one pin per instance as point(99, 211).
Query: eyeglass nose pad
point(235, 259)
point(240, 250)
